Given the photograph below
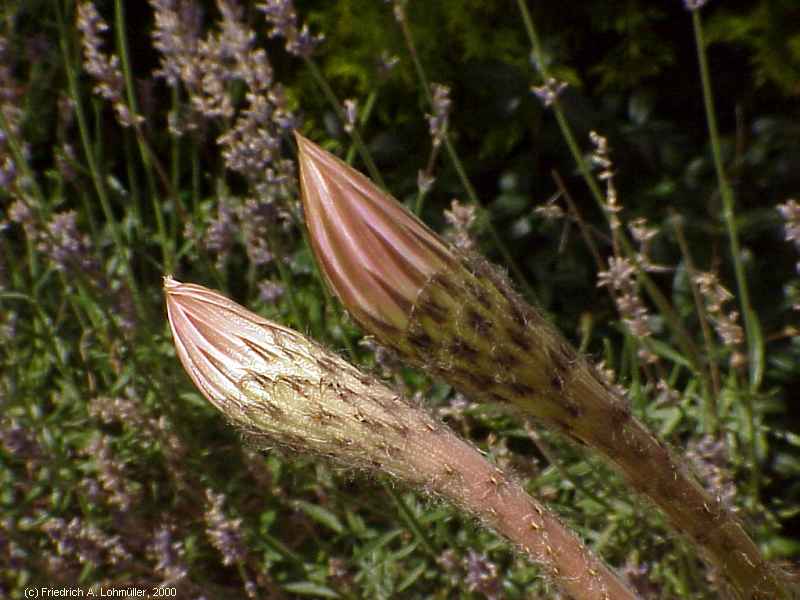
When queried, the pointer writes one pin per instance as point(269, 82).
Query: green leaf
point(664, 350)
point(307, 588)
point(321, 515)
point(379, 543)
point(412, 577)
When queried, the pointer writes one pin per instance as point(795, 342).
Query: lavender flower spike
point(279, 387)
point(458, 317)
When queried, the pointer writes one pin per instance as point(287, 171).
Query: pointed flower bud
point(374, 254)
point(448, 312)
point(273, 383)
point(457, 316)
point(279, 387)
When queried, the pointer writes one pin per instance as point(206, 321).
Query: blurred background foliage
point(632, 76)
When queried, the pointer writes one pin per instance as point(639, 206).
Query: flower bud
point(448, 312)
point(277, 386)
point(457, 316)
point(374, 254)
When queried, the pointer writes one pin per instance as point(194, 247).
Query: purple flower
point(269, 292)
point(282, 15)
point(437, 122)
point(225, 533)
point(67, 247)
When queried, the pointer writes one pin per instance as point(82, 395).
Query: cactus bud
point(378, 273)
point(277, 386)
point(273, 383)
point(457, 316)
point(450, 313)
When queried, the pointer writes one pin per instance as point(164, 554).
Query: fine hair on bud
point(280, 388)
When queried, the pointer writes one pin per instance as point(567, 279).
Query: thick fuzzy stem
point(459, 473)
point(279, 387)
point(469, 328)
point(653, 470)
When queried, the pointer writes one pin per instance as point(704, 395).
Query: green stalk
point(411, 520)
point(684, 339)
point(97, 178)
point(337, 106)
point(195, 159)
point(755, 338)
point(22, 164)
point(363, 117)
point(710, 400)
point(286, 279)
point(166, 242)
point(175, 144)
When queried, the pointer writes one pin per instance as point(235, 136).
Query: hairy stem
point(469, 328)
point(469, 480)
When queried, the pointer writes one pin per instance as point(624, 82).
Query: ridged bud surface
point(452, 314)
point(277, 385)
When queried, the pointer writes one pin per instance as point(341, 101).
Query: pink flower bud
point(375, 255)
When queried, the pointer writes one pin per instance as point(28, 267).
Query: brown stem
point(457, 471)
point(652, 469)
point(459, 318)
point(471, 329)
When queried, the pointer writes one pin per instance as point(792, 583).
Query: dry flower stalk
point(278, 387)
point(458, 317)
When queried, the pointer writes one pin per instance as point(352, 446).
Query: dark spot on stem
point(382, 329)
point(557, 382)
point(421, 341)
point(463, 350)
point(622, 414)
point(559, 362)
point(400, 429)
point(298, 386)
point(571, 407)
point(479, 324)
point(273, 410)
point(477, 292)
point(326, 364)
point(565, 427)
point(475, 380)
point(445, 283)
point(507, 361)
point(429, 307)
point(521, 389)
point(520, 339)
point(495, 397)
point(344, 442)
point(517, 314)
